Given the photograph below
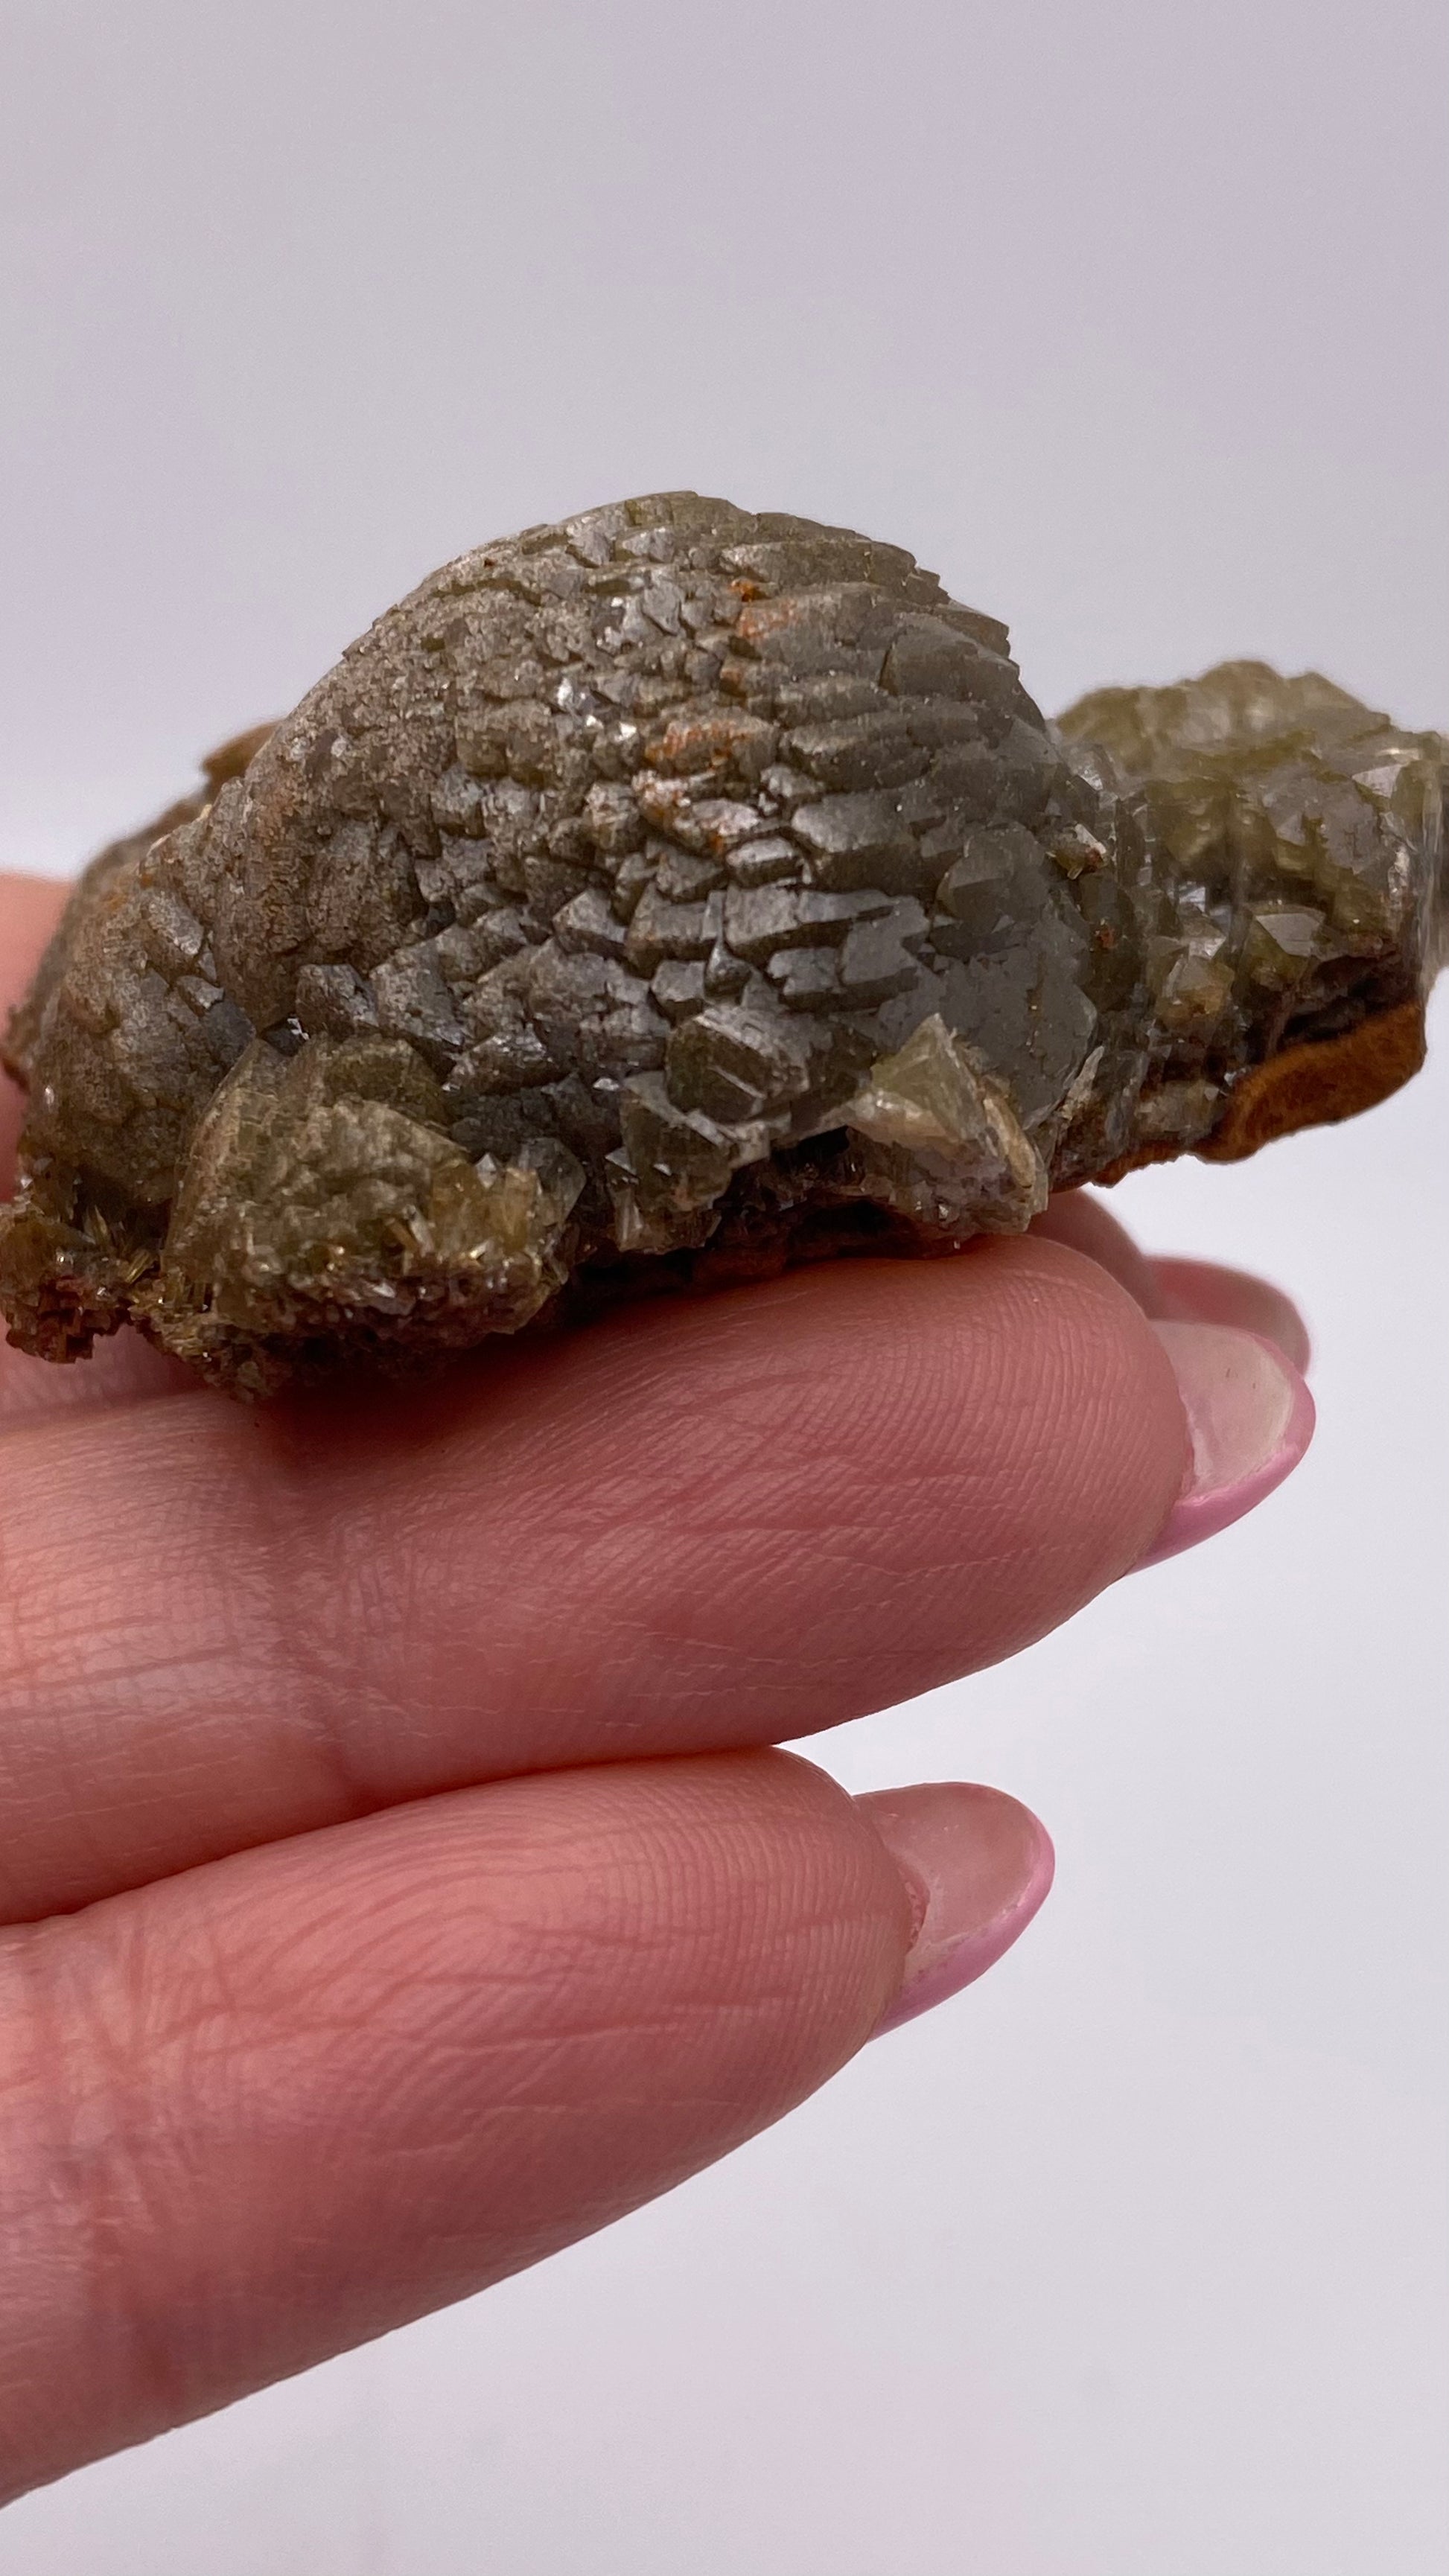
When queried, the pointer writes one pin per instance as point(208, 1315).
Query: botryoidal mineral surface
point(669, 895)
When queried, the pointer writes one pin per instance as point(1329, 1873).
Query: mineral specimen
point(669, 895)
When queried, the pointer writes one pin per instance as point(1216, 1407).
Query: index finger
point(691, 1527)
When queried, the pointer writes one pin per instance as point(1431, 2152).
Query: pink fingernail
point(1250, 1417)
point(977, 1865)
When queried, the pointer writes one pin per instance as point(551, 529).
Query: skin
point(398, 1881)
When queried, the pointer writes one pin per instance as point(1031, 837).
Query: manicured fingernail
point(1250, 1418)
point(1204, 1292)
point(976, 1865)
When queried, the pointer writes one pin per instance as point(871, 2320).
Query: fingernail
point(1250, 1418)
point(1204, 1292)
point(976, 1866)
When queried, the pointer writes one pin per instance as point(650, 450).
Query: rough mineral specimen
point(671, 894)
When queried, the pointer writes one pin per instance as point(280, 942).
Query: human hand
point(398, 1879)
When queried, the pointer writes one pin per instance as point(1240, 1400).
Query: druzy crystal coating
point(668, 895)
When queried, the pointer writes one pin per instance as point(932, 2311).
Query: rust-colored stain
point(1317, 1084)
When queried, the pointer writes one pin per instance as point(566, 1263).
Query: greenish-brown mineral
point(669, 895)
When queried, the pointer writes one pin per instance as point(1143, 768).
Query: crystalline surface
point(671, 894)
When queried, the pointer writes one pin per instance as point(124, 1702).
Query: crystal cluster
point(675, 893)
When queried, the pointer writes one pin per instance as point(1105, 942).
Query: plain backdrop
point(1129, 319)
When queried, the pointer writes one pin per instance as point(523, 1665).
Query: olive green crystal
point(675, 893)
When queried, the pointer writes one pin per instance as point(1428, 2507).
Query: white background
point(1129, 320)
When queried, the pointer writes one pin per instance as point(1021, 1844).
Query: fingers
point(728, 1521)
point(282, 2104)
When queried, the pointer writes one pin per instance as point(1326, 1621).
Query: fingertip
point(977, 1866)
point(1250, 1419)
point(1078, 1220)
point(1172, 1288)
